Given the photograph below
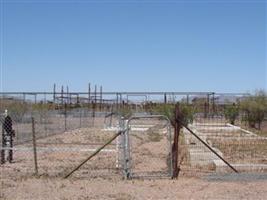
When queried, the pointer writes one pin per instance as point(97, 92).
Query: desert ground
point(31, 188)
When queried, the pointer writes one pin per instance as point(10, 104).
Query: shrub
point(231, 113)
point(187, 112)
point(254, 109)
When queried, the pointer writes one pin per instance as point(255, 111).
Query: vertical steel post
point(213, 103)
point(68, 97)
point(46, 115)
point(95, 96)
point(89, 95)
point(101, 93)
point(34, 147)
point(126, 150)
point(65, 117)
point(208, 102)
point(170, 150)
point(54, 94)
point(62, 91)
point(93, 113)
point(120, 99)
point(176, 142)
point(80, 109)
point(128, 146)
point(117, 101)
point(78, 99)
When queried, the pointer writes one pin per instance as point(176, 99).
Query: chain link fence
point(57, 154)
point(242, 149)
point(144, 150)
point(149, 141)
point(63, 135)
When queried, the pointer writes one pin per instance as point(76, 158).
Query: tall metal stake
point(175, 146)
point(101, 96)
point(34, 147)
point(54, 94)
point(89, 95)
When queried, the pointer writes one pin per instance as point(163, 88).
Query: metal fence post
point(80, 117)
point(125, 148)
point(65, 117)
point(101, 98)
point(93, 112)
point(170, 149)
point(34, 147)
point(128, 149)
point(175, 142)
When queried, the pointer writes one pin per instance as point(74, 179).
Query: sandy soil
point(183, 188)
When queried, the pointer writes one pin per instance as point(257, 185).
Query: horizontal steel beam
point(121, 93)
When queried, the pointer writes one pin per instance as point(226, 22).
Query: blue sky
point(134, 45)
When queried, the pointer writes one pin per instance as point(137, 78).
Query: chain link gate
point(147, 147)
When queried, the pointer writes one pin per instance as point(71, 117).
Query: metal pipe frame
point(127, 154)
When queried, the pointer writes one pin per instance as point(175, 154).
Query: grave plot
point(243, 149)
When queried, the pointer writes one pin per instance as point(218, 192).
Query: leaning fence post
point(34, 147)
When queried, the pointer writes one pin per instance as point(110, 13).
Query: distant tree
point(254, 109)
point(231, 113)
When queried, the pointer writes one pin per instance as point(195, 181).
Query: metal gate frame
point(127, 165)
